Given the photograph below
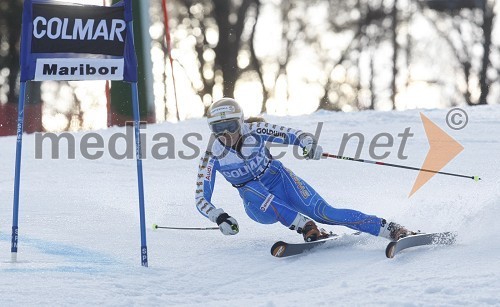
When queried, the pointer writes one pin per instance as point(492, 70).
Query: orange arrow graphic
point(443, 148)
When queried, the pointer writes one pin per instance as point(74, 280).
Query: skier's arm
point(284, 135)
point(276, 133)
point(205, 183)
point(204, 189)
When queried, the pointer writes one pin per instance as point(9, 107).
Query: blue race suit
point(270, 192)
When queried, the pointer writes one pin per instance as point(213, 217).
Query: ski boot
point(308, 229)
point(312, 233)
point(394, 231)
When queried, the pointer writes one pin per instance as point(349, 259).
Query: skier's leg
point(264, 207)
point(307, 201)
point(267, 208)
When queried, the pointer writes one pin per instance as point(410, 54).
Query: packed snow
point(79, 235)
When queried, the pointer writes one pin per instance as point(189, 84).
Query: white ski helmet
point(224, 109)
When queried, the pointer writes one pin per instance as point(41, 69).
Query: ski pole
point(475, 178)
point(184, 228)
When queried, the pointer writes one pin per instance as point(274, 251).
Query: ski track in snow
point(79, 241)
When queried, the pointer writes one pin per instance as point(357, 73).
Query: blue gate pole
point(138, 154)
point(17, 176)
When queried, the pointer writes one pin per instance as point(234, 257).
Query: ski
point(439, 238)
point(282, 249)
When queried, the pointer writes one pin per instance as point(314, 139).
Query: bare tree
point(480, 16)
point(355, 71)
point(229, 19)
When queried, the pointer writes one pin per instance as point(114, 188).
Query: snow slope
point(79, 240)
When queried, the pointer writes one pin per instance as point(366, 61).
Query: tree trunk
point(226, 59)
point(487, 29)
point(395, 53)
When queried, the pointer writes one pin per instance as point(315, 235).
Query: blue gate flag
point(62, 41)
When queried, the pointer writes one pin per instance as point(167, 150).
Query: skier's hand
point(310, 148)
point(227, 224)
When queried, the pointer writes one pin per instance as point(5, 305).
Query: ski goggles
point(227, 126)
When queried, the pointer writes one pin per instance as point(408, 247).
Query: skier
point(271, 192)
